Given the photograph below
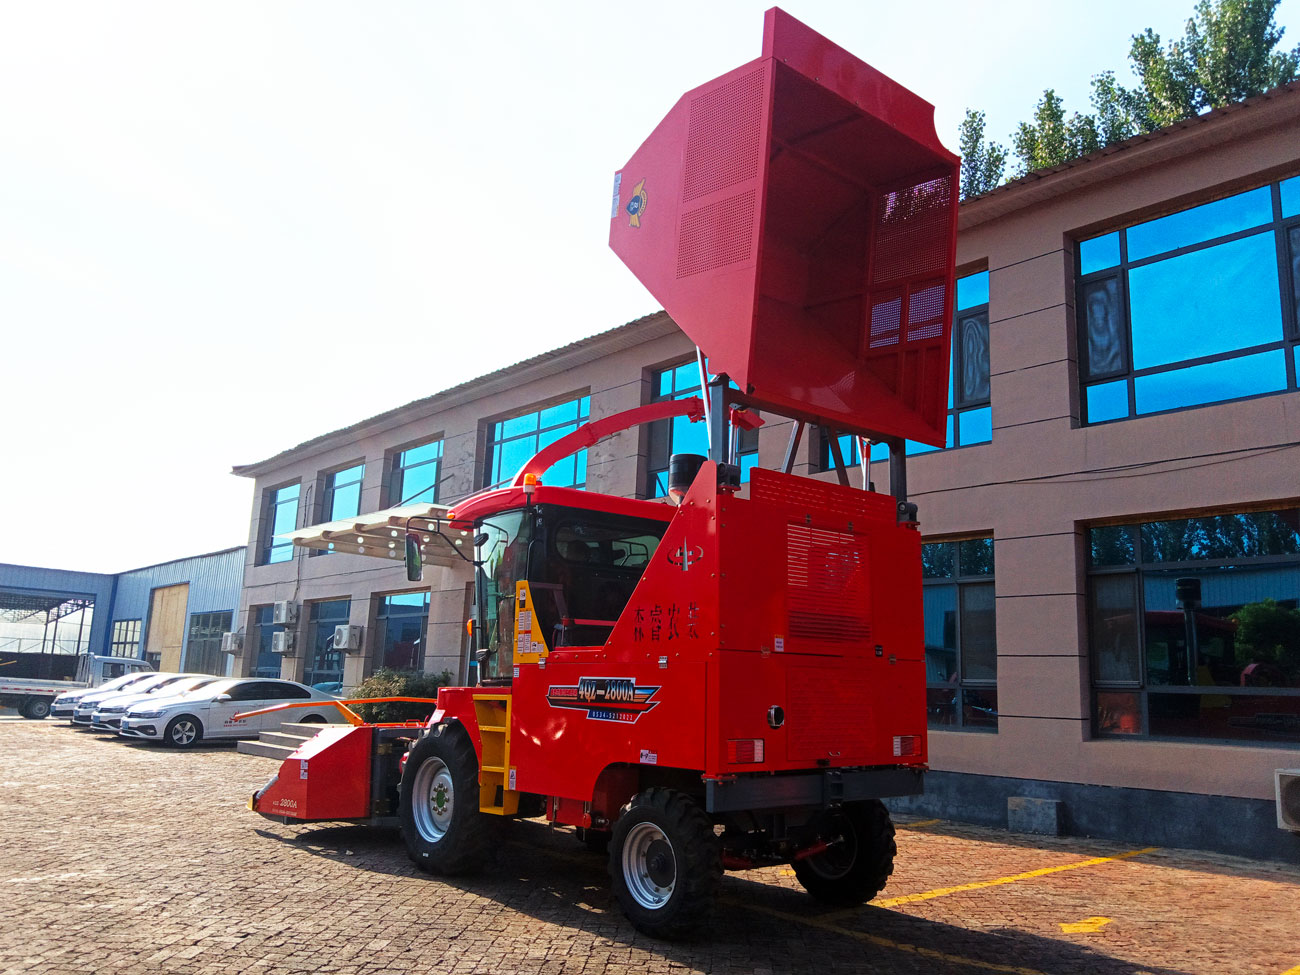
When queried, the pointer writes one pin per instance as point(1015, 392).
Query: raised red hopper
point(796, 217)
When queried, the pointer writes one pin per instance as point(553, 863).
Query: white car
point(108, 714)
point(210, 711)
point(63, 704)
point(86, 704)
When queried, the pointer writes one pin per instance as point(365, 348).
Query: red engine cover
point(797, 218)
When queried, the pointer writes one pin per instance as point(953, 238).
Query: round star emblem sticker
point(636, 206)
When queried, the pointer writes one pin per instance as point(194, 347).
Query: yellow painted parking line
point(1089, 925)
point(1292, 971)
point(1027, 875)
point(874, 939)
point(919, 823)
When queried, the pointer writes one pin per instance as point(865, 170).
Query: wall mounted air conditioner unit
point(347, 637)
point(232, 643)
point(285, 611)
point(282, 642)
point(1286, 789)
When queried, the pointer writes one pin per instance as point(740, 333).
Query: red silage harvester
point(736, 680)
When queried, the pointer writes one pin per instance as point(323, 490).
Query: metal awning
point(381, 534)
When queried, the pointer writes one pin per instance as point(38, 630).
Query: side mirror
point(414, 561)
point(221, 698)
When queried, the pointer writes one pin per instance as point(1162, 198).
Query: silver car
point(87, 703)
point(210, 712)
point(108, 715)
point(62, 706)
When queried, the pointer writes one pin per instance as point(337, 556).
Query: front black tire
point(860, 859)
point(183, 731)
point(35, 708)
point(438, 810)
point(665, 864)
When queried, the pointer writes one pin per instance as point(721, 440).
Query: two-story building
point(1112, 567)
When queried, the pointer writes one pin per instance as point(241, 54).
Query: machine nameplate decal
point(618, 699)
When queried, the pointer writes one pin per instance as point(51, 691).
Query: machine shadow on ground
point(545, 874)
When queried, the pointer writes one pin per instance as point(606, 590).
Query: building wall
point(97, 585)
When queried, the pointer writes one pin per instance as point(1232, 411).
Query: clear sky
point(226, 228)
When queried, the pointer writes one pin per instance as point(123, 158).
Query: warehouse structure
point(1113, 529)
point(172, 614)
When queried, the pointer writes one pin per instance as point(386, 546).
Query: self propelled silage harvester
point(737, 680)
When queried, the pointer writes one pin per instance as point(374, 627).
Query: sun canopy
point(381, 534)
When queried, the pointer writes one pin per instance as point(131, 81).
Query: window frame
point(492, 444)
point(384, 616)
point(662, 430)
point(958, 582)
point(1141, 686)
point(329, 487)
point(397, 471)
point(1288, 342)
point(222, 620)
point(116, 643)
point(267, 545)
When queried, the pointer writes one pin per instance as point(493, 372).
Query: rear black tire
point(860, 859)
point(438, 810)
point(35, 708)
point(183, 731)
point(665, 864)
point(312, 719)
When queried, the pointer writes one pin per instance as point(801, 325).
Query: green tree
point(982, 162)
point(1228, 52)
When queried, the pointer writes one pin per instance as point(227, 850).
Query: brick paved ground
point(126, 858)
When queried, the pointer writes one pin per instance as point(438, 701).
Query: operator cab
point(581, 566)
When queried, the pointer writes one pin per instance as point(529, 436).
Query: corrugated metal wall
point(63, 581)
point(214, 582)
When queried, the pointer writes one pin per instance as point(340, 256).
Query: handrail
point(349, 715)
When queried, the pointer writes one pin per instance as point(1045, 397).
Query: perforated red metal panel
point(797, 218)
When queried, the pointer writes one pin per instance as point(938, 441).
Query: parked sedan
point(108, 715)
point(62, 706)
point(210, 711)
point(87, 703)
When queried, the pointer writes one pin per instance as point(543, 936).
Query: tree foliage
point(1269, 633)
point(386, 682)
point(982, 162)
point(1229, 51)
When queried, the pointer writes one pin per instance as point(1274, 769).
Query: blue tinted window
point(1209, 301)
point(282, 516)
point(973, 290)
point(1291, 196)
point(976, 426)
point(1212, 382)
point(1108, 401)
point(1099, 253)
point(1250, 209)
point(678, 435)
point(343, 493)
point(416, 473)
point(513, 442)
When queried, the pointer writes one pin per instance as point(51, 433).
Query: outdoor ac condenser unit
point(1286, 788)
point(347, 637)
point(282, 642)
point(284, 611)
point(232, 642)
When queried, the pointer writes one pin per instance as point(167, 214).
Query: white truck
point(32, 697)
